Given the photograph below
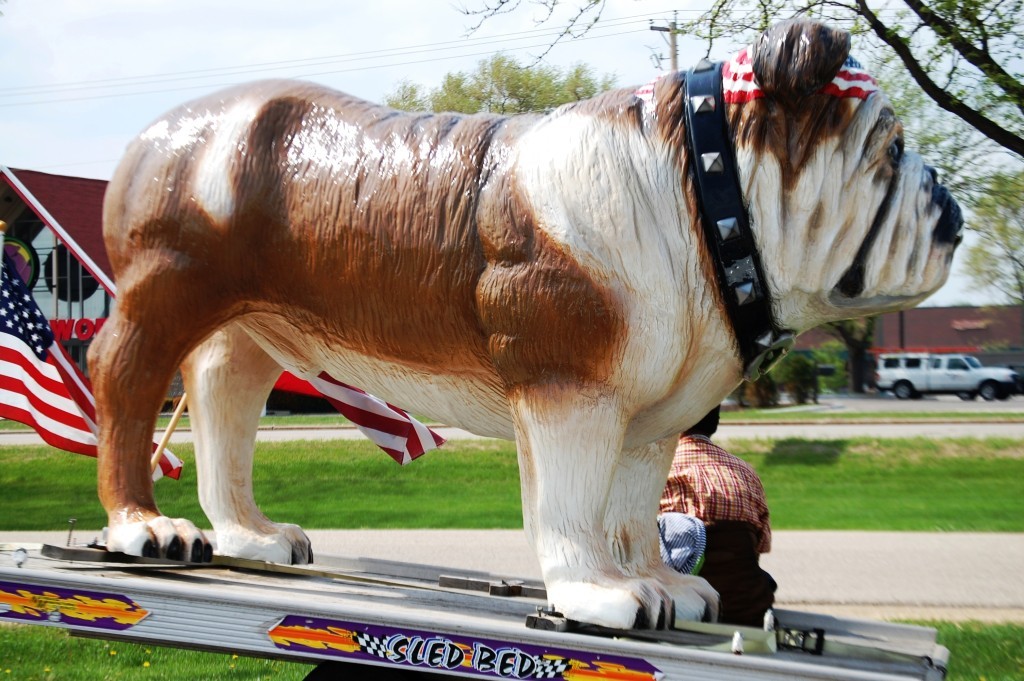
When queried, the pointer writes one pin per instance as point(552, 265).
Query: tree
point(857, 335)
point(502, 85)
point(996, 260)
point(963, 54)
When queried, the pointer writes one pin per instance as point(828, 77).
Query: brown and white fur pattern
point(542, 278)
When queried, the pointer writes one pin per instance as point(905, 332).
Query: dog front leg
point(568, 442)
point(631, 521)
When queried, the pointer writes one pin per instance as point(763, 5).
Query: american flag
point(739, 85)
point(390, 428)
point(40, 385)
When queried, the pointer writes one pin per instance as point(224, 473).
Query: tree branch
point(980, 58)
point(991, 129)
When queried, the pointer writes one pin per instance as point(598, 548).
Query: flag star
point(10, 324)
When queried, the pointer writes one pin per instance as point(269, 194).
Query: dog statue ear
point(798, 57)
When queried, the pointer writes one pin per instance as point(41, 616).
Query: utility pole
point(671, 29)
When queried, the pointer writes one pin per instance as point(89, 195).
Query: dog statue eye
point(896, 150)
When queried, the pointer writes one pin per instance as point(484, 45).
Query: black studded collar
point(726, 224)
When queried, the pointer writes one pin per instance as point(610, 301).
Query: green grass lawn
point(864, 483)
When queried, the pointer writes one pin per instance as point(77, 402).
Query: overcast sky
point(80, 79)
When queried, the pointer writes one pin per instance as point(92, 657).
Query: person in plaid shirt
point(726, 494)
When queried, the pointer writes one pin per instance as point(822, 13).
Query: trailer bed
point(424, 619)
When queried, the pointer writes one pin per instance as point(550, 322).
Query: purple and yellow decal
point(74, 607)
point(467, 655)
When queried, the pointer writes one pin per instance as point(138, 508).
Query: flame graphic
point(78, 607)
point(580, 671)
point(331, 638)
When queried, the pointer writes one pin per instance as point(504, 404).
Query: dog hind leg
point(228, 378)
point(131, 363)
point(631, 521)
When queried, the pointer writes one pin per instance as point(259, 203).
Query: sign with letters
point(465, 654)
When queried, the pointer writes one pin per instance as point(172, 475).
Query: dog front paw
point(276, 543)
point(160, 537)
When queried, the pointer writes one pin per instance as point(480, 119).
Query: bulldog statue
point(588, 282)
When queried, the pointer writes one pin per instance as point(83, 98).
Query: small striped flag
point(390, 428)
point(739, 85)
point(40, 385)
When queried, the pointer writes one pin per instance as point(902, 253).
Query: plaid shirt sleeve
point(710, 483)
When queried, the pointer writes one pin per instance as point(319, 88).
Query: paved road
point(876, 575)
point(769, 431)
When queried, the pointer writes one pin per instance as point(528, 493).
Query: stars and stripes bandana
point(739, 85)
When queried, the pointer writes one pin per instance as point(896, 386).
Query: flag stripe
point(400, 435)
point(24, 408)
point(20, 374)
point(356, 397)
point(73, 380)
point(49, 436)
point(43, 375)
point(38, 402)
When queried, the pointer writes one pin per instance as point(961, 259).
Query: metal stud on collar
point(728, 228)
point(713, 162)
point(703, 104)
point(744, 292)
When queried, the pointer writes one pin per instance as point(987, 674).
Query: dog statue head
point(836, 202)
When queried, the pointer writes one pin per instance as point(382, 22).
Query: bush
point(799, 373)
point(833, 353)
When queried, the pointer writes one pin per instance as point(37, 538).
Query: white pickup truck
point(910, 375)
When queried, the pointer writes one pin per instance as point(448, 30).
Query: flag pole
point(175, 417)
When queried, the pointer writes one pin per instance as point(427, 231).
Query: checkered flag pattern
point(370, 644)
point(551, 667)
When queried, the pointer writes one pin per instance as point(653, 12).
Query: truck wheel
point(967, 395)
point(989, 390)
point(903, 390)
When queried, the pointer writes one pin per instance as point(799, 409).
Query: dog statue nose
point(950, 228)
